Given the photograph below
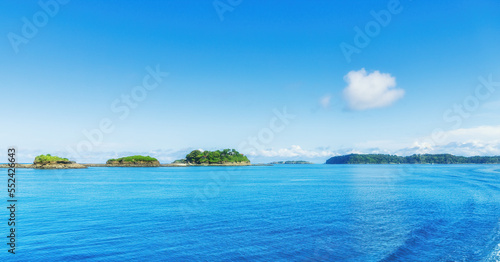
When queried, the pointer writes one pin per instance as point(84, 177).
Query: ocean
point(257, 213)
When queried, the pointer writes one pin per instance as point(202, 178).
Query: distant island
point(53, 162)
point(231, 157)
point(226, 157)
point(133, 161)
point(298, 162)
point(413, 159)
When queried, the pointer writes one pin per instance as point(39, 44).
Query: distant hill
point(413, 159)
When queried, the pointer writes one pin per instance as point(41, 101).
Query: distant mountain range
point(413, 159)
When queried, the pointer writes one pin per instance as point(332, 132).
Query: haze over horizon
point(303, 81)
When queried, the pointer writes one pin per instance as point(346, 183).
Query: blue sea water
point(278, 213)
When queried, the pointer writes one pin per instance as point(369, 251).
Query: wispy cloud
point(293, 151)
point(325, 100)
point(374, 90)
point(470, 148)
point(319, 154)
point(481, 140)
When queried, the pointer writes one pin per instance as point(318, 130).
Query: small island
point(226, 157)
point(133, 161)
point(413, 159)
point(54, 162)
point(296, 162)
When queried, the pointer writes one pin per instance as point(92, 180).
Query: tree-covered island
point(49, 161)
point(136, 161)
point(413, 159)
point(218, 157)
point(48, 158)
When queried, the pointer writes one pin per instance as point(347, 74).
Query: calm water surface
point(280, 213)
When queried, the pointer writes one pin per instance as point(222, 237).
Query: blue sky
point(228, 77)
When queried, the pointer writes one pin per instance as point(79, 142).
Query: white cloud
point(469, 148)
point(374, 90)
point(480, 133)
point(481, 140)
point(296, 152)
point(293, 151)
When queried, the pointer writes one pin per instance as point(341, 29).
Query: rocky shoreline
point(79, 166)
point(168, 165)
point(132, 164)
point(222, 164)
point(56, 165)
point(59, 165)
point(17, 166)
point(226, 157)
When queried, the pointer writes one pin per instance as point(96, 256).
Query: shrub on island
point(134, 161)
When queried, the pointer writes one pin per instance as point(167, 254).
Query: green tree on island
point(215, 157)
